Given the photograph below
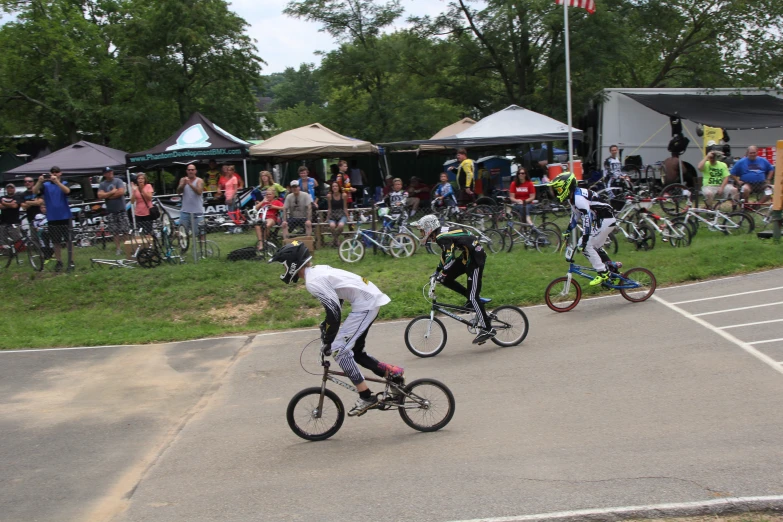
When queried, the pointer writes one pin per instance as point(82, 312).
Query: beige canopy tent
point(451, 130)
point(311, 141)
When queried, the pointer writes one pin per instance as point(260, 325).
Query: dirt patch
point(237, 314)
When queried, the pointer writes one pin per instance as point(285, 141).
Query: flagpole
point(568, 89)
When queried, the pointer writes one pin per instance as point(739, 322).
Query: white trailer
point(640, 131)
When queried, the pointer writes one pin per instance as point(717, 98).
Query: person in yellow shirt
point(465, 177)
point(211, 177)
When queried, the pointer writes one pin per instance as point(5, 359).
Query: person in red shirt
point(522, 193)
point(273, 206)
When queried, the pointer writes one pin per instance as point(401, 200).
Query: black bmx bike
point(426, 335)
point(317, 413)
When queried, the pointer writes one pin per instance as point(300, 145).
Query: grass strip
point(100, 306)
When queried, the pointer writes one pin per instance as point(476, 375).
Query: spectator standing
point(191, 187)
point(58, 213)
point(141, 199)
point(112, 191)
point(753, 172)
point(307, 184)
point(273, 206)
point(465, 176)
point(31, 202)
point(522, 193)
point(211, 178)
point(240, 181)
point(298, 209)
point(358, 181)
point(348, 188)
point(267, 182)
point(228, 185)
point(337, 211)
point(10, 205)
point(333, 170)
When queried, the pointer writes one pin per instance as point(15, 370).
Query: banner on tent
point(186, 153)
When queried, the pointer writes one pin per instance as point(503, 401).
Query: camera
point(721, 151)
point(47, 176)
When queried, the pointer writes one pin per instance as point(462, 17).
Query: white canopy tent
point(510, 126)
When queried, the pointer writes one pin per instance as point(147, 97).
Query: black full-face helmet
point(293, 257)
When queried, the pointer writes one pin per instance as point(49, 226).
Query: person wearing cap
point(297, 210)
point(31, 202)
point(58, 212)
point(112, 190)
point(9, 215)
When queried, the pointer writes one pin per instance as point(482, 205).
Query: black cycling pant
point(474, 272)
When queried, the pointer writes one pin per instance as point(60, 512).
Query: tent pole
point(568, 90)
point(244, 165)
point(386, 161)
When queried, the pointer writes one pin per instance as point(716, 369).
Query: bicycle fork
point(567, 286)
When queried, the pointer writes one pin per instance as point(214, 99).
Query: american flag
point(584, 4)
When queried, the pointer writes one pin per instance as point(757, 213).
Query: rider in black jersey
point(462, 254)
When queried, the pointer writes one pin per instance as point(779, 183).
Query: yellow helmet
point(563, 185)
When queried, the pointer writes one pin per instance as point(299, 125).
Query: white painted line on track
point(769, 361)
point(728, 295)
point(767, 341)
point(713, 508)
point(748, 324)
point(738, 309)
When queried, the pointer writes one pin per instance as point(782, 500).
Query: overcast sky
point(284, 41)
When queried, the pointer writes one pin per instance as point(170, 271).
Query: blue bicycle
point(563, 294)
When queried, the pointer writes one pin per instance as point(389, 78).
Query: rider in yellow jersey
point(465, 177)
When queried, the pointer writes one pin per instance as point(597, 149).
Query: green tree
point(124, 72)
point(196, 54)
point(295, 86)
point(57, 68)
point(358, 24)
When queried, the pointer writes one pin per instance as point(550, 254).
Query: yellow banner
point(712, 134)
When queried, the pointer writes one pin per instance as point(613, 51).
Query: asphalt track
point(676, 400)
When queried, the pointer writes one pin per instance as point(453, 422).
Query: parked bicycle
point(397, 244)
point(640, 234)
point(564, 293)
point(317, 413)
point(426, 335)
point(761, 213)
point(673, 231)
point(735, 223)
point(205, 248)
point(11, 249)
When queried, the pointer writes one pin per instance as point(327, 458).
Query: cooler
point(555, 169)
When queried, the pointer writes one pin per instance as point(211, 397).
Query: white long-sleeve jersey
point(332, 286)
point(589, 209)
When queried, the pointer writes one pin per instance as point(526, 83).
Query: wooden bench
point(321, 226)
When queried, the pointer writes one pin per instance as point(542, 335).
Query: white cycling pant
point(348, 345)
point(596, 242)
